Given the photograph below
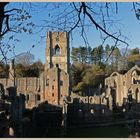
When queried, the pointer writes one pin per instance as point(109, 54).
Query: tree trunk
point(2, 15)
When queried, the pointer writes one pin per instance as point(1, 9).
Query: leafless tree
point(25, 59)
point(72, 17)
point(82, 16)
point(12, 21)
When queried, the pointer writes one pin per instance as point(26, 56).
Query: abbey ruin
point(49, 96)
point(53, 85)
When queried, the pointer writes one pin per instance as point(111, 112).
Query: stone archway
point(57, 50)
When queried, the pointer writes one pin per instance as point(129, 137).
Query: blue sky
point(127, 22)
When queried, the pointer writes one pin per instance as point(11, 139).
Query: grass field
point(99, 132)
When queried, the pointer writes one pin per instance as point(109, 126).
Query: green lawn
point(99, 132)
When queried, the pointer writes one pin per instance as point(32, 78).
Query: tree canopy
point(104, 62)
point(90, 64)
point(72, 17)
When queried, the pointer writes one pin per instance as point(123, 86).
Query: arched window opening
point(57, 50)
point(90, 100)
point(57, 65)
point(61, 83)
point(38, 97)
point(134, 81)
point(47, 82)
point(27, 97)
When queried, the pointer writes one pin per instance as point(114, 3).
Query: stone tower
point(57, 67)
point(57, 50)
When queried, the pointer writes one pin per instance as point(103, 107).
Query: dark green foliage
point(25, 59)
point(33, 70)
point(97, 54)
point(12, 21)
point(3, 70)
point(81, 54)
point(98, 132)
point(91, 66)
point(134, 51)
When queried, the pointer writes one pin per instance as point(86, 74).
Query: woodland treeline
point(25, 66)
point(89, 66)
point(92, 65)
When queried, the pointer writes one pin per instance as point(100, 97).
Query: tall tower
point(57, 51)
point(56, 85)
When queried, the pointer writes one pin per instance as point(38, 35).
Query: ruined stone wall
point(64, 85)
point(124, 84)
point(57, 85)
point(94, 103)
point(4, 82)
point(29, 86)
point(53, 83)
point(115, 83)
point(132, 78)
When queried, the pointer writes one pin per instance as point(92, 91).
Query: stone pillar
point(11, 131)
point(11, 80)
point(64, 122)
point(110, 102)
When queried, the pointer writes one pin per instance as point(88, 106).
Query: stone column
point(11, 80)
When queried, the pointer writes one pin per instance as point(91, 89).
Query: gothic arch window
point(90, 100)
point(38, 97)
point(134, 81)
point(27, 97)
point(47, 82)
point(57, 50)
point(57, 65)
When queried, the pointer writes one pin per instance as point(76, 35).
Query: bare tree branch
point(14, 9)
point(98, 26)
